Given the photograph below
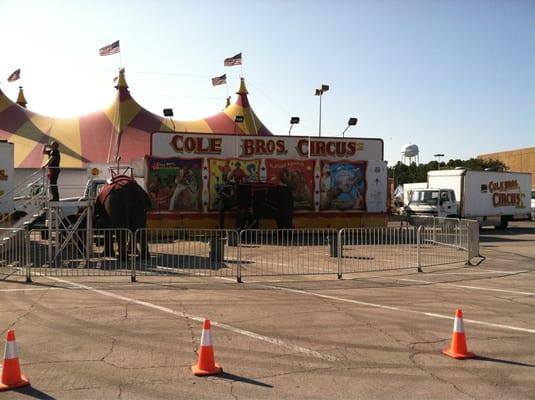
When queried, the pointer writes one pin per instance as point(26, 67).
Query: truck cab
point(432, 202)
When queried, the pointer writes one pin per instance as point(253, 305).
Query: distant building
point(521, 160)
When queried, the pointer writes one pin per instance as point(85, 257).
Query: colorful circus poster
point(343, 185)
point(230, 170)
point(175, 184)
point(298, 175)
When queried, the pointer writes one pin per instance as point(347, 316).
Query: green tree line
point(402, 173)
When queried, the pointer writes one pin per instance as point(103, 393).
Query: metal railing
point(233, 254)
point(67, 252)
point(14, 253)
point(268, 252)
point(373, 249)
point(194, 252)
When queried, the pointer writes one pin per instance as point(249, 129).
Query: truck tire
point(504, 221)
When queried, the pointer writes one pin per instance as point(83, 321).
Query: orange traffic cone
point(11, 376)
point(206, 364)
point(458, 347)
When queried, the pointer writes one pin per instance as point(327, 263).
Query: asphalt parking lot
point(369, 335)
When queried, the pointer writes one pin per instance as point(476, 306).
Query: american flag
point(219, 80)
point(14, 76)
point(235, 60)
point(110, 49)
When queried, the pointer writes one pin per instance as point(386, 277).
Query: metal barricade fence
point(67, 252)
point(268, 252)
point(13, 253)
point(442, 244)
point(374, 249)
point(194, 252)
point(228, 253)
point(471, 229)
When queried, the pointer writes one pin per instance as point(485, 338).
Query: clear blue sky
point(454, 77)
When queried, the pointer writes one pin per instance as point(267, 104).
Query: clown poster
point(175, 184)
point(298, 175)
point(343, 186)
point(223, 172)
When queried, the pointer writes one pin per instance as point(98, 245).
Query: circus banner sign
point(298, 175)
point(194, 145)
point(223, 172)
point(175, 184)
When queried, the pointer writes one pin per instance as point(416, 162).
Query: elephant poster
point(227, 171)
point(175, 184)
point(343, 186)
point(298, 176)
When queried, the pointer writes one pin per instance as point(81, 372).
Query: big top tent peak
point(121, 129)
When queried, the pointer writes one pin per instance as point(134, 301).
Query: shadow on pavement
point(498, 360)
point(226, 375)
point(33, 392)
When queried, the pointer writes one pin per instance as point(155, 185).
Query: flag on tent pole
point(110, 49)
point(219, 80)
point(234, 60)
point(14, 76)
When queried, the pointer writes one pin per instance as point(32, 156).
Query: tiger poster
point(343, 186)
point(227, 171)
point(298, 176)
point(175, 184)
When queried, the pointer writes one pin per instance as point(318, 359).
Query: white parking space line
point(478, 273)
point(506, 272)
point(29, 289)
point(289, 346)
point(466, 286)
point(399, 309)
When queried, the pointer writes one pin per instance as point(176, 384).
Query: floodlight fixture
point(293, 121)
point(168, 112)
point(351, 122)
point(438, 155)
point(238, 118)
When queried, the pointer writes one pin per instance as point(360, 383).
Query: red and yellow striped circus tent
point(124, 129)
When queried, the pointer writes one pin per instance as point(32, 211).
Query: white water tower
point(410, 153)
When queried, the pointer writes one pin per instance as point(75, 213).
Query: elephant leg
point(108, 244)
point(221, 217)
point(241, 219)
point(144, 247)
point(122, 244)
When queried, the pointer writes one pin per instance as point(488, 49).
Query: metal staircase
point(30, 201)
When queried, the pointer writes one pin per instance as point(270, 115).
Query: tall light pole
point(438, 155)
point(319, 92)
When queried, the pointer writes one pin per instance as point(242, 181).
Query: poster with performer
point(230, 170)
point(175, 184)
point(343, 186)
point(296, 174)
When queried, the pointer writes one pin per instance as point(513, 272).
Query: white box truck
point(491, 198)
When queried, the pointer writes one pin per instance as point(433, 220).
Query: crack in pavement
point(412, 356)
point(113, 340)
point(25, 313)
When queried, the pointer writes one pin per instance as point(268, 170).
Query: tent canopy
point(123, 128)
